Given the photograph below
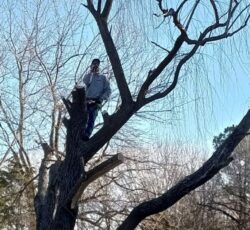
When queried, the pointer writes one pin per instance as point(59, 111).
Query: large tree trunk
point(72, 168)
point(54, 209)
point(67, 179)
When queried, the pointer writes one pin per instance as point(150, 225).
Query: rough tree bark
point(56, 212)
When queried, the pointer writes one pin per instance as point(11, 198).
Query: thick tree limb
point(94, 174)
point(111, 50)
point(99, 6)
point(155, 73)
point(115, 62)
point(109, 129)
point(220, 158)
point(107, 8)
point(175, 80)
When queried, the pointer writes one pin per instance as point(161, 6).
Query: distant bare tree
point(231, 199)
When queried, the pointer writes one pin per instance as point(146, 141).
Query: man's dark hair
point(96, 61)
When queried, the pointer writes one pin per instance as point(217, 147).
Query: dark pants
point(92, 110)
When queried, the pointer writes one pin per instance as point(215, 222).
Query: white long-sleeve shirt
point(97, 86)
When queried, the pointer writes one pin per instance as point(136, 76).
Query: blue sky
point(214, 91)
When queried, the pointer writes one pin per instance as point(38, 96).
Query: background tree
point(232, 196)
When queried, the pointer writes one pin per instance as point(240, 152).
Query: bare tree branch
point(176, 76)
point(156, 72)
point(99, 6)
point(94, 174)
point(156, 44)
point(215, 11)
point(106, 9)
point(191, 15)
point(211, 207)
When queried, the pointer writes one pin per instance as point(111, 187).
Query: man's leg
point(92, 114)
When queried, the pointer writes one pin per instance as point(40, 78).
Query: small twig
point(156, 44)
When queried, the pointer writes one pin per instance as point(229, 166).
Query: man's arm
point(86, 79)
point(106, 91)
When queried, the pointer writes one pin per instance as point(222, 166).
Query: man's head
point(95, 65)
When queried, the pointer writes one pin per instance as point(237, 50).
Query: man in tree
point(97, 90)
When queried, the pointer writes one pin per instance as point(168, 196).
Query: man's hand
point(91, 102)
point(94, 68)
